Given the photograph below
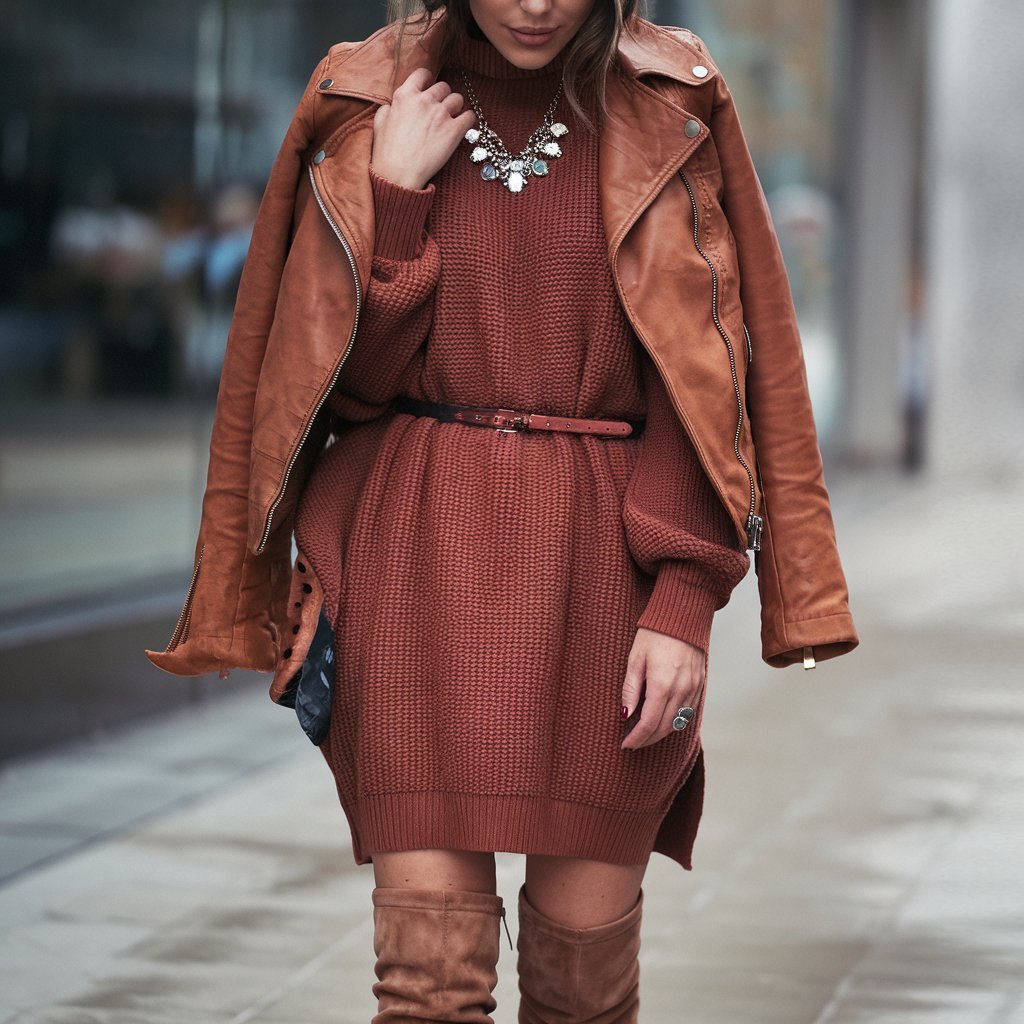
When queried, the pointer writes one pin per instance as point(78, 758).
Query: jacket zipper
point(755, 524)
point(181, 629)
point(337, 368)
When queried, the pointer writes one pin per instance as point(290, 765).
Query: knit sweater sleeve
point(677, 528)
point(398, 306)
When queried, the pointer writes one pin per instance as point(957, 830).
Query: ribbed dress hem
point(512, 824)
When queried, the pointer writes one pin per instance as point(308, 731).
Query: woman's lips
point(532, 38)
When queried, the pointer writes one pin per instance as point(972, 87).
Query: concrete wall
point(879, 146)
point(975, 237)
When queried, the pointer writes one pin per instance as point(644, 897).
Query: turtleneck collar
point(481, 57)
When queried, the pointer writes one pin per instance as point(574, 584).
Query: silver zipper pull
point(755, 526)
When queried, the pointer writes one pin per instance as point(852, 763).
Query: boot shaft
point(578, 975)
point(437, 955)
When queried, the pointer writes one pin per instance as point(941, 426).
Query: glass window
point(135, 140)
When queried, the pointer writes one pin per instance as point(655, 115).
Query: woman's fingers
point(453, 103)
point(416, 133)
point(633, 685)
point(438, 91)
point(462, 124)
point(655, 718)
point(673, 676)
point(418, 79)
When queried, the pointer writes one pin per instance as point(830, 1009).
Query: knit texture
point(485, 587)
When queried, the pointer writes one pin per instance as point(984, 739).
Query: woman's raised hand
point(670, 673)
point(416, 133)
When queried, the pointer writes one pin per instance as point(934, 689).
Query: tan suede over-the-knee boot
point(578, 975)
point(437, 955)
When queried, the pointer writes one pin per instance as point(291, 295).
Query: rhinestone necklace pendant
point(497, 163)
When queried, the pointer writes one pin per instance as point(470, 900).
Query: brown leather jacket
point(700, 276)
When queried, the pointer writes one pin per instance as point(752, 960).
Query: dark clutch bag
point(309, 690)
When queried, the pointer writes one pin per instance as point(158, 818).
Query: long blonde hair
point(587, 60)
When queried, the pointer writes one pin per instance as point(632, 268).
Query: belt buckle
point(512, 422)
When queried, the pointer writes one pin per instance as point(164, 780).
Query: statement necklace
point(498, 163)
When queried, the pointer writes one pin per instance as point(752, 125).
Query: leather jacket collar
point(365, 71)
point(644, 140)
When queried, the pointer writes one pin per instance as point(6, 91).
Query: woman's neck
point(481, 57)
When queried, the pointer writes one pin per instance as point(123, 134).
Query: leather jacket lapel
point(643, 144)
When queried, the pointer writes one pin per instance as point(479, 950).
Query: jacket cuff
point(828, 636)
point(401, 215)
point(199, 655)
point(681, 604)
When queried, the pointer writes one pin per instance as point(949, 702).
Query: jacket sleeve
point(210, 634)
point(677, 528)
point(804, 597)
point(399, 305)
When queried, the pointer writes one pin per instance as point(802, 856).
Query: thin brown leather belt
point(510, 421)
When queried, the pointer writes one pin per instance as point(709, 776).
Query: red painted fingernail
point(625, 711)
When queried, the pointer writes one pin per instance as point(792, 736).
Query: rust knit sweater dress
point(485, 588)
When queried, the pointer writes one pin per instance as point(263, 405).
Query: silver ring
point(682, 719)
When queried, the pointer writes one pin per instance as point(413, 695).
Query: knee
point(582, 893)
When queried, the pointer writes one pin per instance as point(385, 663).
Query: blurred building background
point(134, 143)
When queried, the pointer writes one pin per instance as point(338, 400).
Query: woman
point(511, 289)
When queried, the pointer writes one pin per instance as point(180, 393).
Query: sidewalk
point(858, 862)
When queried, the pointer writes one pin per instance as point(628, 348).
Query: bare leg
point(582, 893)
point(435, 869)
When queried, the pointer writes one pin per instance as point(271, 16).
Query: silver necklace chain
point(498, 164)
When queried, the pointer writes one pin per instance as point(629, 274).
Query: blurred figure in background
point(203, 264)
point(106, 259)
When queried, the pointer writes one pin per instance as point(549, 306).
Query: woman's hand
point(416, 133)
point(673, 671)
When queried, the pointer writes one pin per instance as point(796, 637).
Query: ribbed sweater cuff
point(680, 604)
point(401, 215)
